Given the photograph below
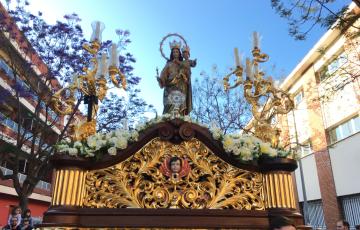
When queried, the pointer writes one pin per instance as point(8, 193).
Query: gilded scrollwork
point(139, 182)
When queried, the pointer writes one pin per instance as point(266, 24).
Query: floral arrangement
point(243, 147)
point(247, 147)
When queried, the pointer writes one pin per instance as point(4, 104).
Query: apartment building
point(326, 124)
point(15, 52)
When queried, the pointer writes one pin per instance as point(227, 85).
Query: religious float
point(172, 172)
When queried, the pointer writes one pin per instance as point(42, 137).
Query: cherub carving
point(175, 168)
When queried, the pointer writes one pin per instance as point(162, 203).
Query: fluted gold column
point(279, 190)
point(69, 187)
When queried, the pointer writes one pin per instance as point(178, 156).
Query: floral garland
point(247, 147)
point(243, 147)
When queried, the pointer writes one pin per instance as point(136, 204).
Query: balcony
point(41, 185)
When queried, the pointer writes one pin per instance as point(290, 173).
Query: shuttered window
point(351, 209)
point(315, 214)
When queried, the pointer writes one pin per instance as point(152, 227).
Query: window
point(315, 213)
point(298, 97)
point(331, 68)
point(351, 209)
point(7, 69)
point(345, 129)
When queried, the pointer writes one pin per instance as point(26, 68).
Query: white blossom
point(77, 144)
point(134, 135)
point(244, 147)
point(91, 141)
point(112, 151)
point(73, 151)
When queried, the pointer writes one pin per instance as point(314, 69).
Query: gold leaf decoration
point(138, 181)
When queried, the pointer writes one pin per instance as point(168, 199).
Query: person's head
point(281, 223)
point(26, 222)
point(16, 210)
point(175, 164)
point(175, 54)
point(185, 52)
point(28, 213)
point(342, 225)
point(357, 227)
point(13, 221)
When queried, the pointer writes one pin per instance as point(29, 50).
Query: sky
point(212, 28)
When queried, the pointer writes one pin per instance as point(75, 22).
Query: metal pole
point(305, 207)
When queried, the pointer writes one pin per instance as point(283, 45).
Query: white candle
point(237, 58)
point(97, 31)
point(256, 71)
point(103, 64)
point(114, 55)
point(248, 69)
point(256, 40)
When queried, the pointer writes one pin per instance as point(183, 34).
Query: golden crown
point(185, 49)
point(175, 44)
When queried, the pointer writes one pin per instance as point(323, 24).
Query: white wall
point(310, 177)
point(345, 162)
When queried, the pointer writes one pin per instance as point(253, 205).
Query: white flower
point(112, 151)
point(246, 154)
point(140, 126)
point(62, 148)
point(90, 154)
point(73, 151)
point(236, 151)
point(99, 144)
point(228, 142)
point(265, 148)
point(67, 140)
point(248, 142)
point(134, 135)
point(255, 140)
point(216, 131)
point(91, 141)
point(77, 144)
point(121, 143)
point(272, 152)
point(99, 136)
point(187, 118)
point(121, 133)
point(217, 134)
point(109, 135)
point(166, 116)
point(113, 140)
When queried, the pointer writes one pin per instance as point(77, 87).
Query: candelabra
point(91, 84)
point(265, 99)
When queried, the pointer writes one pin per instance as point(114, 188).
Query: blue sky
point(211, 28)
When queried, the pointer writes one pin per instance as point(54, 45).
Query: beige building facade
point(326, 123)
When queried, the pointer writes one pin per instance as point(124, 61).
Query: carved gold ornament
point(266, 100)
point(139, 181)
point(91, 84)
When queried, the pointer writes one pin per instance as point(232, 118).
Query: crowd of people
point(283, 223)
point(17, 221)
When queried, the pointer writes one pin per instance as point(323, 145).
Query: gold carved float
point(146, 180)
